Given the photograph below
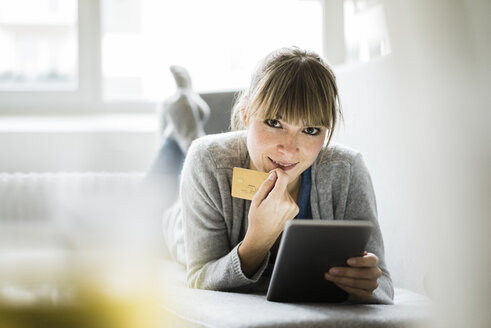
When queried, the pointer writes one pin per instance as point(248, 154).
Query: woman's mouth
point(285, 166)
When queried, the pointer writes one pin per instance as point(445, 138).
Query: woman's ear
point(244, 117)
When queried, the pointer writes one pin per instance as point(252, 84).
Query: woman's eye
point(273, 123)
point(312, 131)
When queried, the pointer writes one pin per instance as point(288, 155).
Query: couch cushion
point(204, 308)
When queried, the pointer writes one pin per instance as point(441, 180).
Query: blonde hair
point(294, 84)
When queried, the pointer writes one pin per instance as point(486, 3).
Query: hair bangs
point(295, 96)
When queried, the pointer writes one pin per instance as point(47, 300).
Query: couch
point(79, 202)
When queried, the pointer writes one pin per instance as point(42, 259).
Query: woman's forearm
point(251, 256)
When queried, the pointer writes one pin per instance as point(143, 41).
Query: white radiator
point(46, 196)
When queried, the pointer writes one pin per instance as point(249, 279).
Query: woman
point(289, 114)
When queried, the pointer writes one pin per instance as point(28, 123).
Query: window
point(365, 30)
point(81, 56)
point(38, 45)
point(218, 41)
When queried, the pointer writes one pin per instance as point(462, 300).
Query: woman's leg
point(162, 192)
point(164, 174)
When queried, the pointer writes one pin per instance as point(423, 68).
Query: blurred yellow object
point(48, 284)
point(89, 307)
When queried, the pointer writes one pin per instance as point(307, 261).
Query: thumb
point(264, 189)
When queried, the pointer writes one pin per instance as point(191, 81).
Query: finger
point(366, 284)
point(360, 273)
point(281, 183)
point(264, 189)
point(367, 261)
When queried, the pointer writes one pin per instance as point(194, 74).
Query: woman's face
point(273, 143)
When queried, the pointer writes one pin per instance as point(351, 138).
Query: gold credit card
point(246, 182)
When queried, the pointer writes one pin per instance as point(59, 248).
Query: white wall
point(98, 142)
point(421, 118)
point(116, 143)
point(76, 151)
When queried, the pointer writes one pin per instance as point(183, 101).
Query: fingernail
point(272, 175)
point(351, 261)
point(333, 271)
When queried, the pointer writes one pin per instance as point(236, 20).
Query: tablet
point(308, 249)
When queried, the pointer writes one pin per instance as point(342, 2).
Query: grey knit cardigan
point(206, 226)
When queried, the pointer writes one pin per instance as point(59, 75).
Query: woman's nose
point(288, 144)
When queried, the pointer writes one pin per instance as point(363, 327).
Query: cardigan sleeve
point(211, 261)
point(361, 205)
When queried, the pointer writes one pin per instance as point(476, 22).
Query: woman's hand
point(359, 279)
point(271, 207)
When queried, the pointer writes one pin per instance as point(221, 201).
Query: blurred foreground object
point(89, 261)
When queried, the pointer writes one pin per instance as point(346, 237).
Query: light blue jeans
point(164, 173)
